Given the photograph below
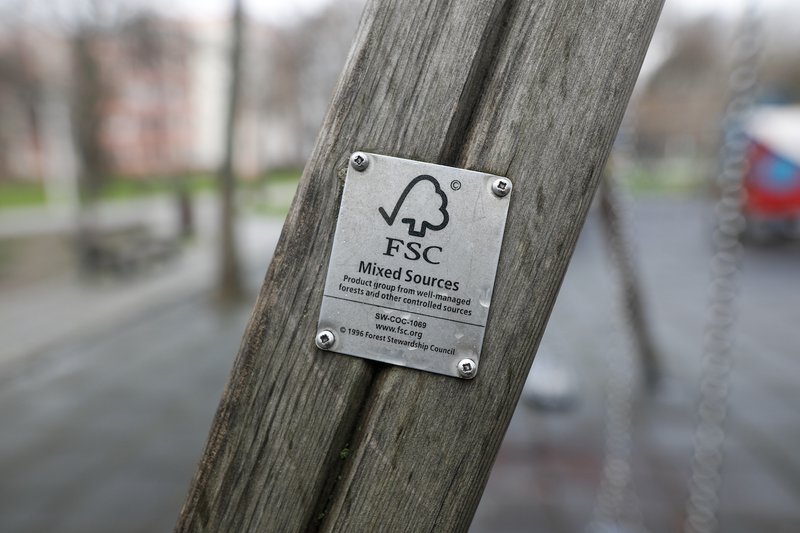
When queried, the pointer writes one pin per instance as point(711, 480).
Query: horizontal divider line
point(402, 310)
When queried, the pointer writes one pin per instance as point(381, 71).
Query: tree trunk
point(230, 277)
point(88, 97)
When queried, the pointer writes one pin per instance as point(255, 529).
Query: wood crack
point(463, 121)
point(340, 451)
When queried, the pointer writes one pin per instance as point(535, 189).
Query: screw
point(467, 368)
point(359, 161)
point(501, 187)
point(325, 339)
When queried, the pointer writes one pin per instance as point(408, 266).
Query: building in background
point(148, 127)
point(164, 84)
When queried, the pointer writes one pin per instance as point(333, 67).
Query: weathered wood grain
point(557, 89)
point(289, 409)
point(531, 90)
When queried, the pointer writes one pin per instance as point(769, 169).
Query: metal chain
point(709, 436)
point(617, 507)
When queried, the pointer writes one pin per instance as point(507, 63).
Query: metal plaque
point(413, 264)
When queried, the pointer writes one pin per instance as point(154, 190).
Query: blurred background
point(148, 156)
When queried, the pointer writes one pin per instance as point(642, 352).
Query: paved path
point(36, 316)
point(549, 469)
point(101, 432)
point(104, 412)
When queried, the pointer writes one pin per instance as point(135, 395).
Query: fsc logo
point(413, 264)
point(434, 217)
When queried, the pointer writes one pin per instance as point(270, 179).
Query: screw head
point(325, 339)
point(467, 368)
point(359, 161)
point(501, 187)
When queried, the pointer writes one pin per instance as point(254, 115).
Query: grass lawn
point(271, 194)
point(21, 194)
point(666, 178)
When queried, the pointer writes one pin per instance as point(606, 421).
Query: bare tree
point(21, 87)
point(89, 92)
point(90, 22)
point(160, 50)
point(304, 62)
point(230, 280)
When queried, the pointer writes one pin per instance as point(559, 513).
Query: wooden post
point(311, 440)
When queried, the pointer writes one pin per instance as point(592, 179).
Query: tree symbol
point(433, 202)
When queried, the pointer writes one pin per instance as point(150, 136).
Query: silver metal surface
point(413, 264)
point(467, 368)
point(501, 187)
point(325, 339)
point(359, 161)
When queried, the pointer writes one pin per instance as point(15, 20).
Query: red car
point(772, 179)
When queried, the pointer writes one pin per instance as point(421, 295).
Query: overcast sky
point(285, 10)
point(277, 11)
point(701, 7)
